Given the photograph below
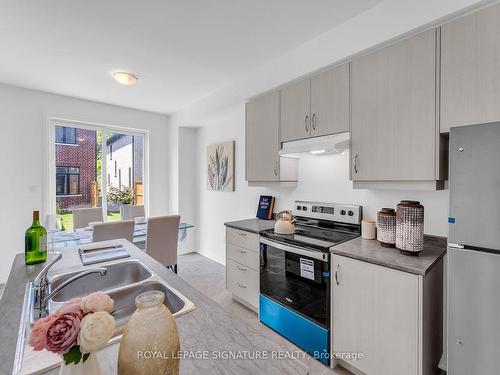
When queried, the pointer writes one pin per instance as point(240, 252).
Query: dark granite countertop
point(251, 225)
point(208, 328)
point(371, 251)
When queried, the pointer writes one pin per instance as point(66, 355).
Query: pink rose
point(38, 335)
point(97, 301)
point(72, 305)
point(62, 333)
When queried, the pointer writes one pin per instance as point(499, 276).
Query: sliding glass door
point(124, 174)
point(97, 167)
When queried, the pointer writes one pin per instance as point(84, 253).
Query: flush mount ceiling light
point(125, 78)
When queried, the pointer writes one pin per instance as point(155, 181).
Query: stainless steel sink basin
point(118, 275)
point(124, 281)
point(125, 300)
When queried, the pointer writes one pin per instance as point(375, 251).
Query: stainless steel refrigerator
point(474, 251)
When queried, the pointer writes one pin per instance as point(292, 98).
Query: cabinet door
point(262, 138)
point(330, 101)
point(393, 131)
point(376, 312)
point(295, 111)
point(470, 69)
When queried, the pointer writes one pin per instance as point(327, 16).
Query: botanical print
point(220, 166)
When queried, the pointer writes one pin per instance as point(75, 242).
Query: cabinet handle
point(356, 163)
point(313, 121)
point(242, 269)
point(337, 274)
point(242, 234)
point(241, 285)
point(276, 168)
point(307, 123)
point(243, 252)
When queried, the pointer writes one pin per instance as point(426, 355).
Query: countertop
point(371, 251)
point(251, 225)
point(208, 328)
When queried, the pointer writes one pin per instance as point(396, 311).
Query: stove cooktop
point(313, 237)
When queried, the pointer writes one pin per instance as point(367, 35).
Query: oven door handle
point(296, 250)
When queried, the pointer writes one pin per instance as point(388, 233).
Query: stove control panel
point(343, 213)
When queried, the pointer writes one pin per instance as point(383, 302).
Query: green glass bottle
point(35, 242)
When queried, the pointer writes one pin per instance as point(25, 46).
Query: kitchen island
point(226, 344)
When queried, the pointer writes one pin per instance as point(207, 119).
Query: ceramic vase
point(150, 341)
point(386, 227)
point(89, 367)
point(410, 227)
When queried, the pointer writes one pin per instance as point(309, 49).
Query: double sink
point(123, 281)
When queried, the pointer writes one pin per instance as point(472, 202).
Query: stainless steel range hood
point(328, 144)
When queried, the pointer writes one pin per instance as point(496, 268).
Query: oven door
point(296, 278)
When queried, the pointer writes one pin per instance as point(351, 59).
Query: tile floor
point(209, 278)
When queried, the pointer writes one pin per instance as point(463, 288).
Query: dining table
point(73, 237)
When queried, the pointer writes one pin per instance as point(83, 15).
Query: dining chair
point(113, 231)
point(129, 212)
point(83, 216)
point(161, 239)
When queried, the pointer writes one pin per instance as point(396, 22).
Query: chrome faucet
point(40, 290)
point(100, 270)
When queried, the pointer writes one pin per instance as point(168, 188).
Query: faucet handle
point(42, 276)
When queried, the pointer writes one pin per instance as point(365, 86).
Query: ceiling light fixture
point(125, 78)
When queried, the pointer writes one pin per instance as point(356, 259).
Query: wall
point(321, 178)
point(23, 114)
point(188, 184)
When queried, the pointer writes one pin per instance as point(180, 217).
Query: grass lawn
point(67, 219)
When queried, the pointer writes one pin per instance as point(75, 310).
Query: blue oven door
point(295, 296)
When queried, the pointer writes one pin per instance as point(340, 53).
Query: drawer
point(244, 239)
point(243, 256)
point(243, 282)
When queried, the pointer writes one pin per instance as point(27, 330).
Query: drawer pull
point(241, 285)
point(243, 252)
point(242, 234)
point(242, 269)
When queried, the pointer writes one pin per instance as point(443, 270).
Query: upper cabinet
point(263, 163)
point(295, 111)
point(394, 129)
point(316, 106)
point(330, 101)
point(470, 69)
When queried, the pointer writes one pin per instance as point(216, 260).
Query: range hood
point(328, 144)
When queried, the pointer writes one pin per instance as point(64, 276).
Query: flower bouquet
point(80, 327)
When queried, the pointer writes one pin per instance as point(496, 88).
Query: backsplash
point(326, 178)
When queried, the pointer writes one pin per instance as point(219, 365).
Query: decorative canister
point(386, 227)
point(368, 229)
point(410, 227)
point(150, 341)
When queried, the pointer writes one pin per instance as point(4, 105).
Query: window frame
point(65, 137)
point(67, 180)
point(49, 154)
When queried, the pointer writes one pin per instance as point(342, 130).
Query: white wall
point(321, 178)
point(23, 114)
point(188, 183)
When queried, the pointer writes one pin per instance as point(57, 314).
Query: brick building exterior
point(76, 153)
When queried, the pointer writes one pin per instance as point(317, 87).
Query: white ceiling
point(182, 50)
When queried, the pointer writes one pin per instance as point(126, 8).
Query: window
point(65, 135)
point(67, 180)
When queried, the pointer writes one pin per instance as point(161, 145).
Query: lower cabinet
point(387, 316)
point(242, 266)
